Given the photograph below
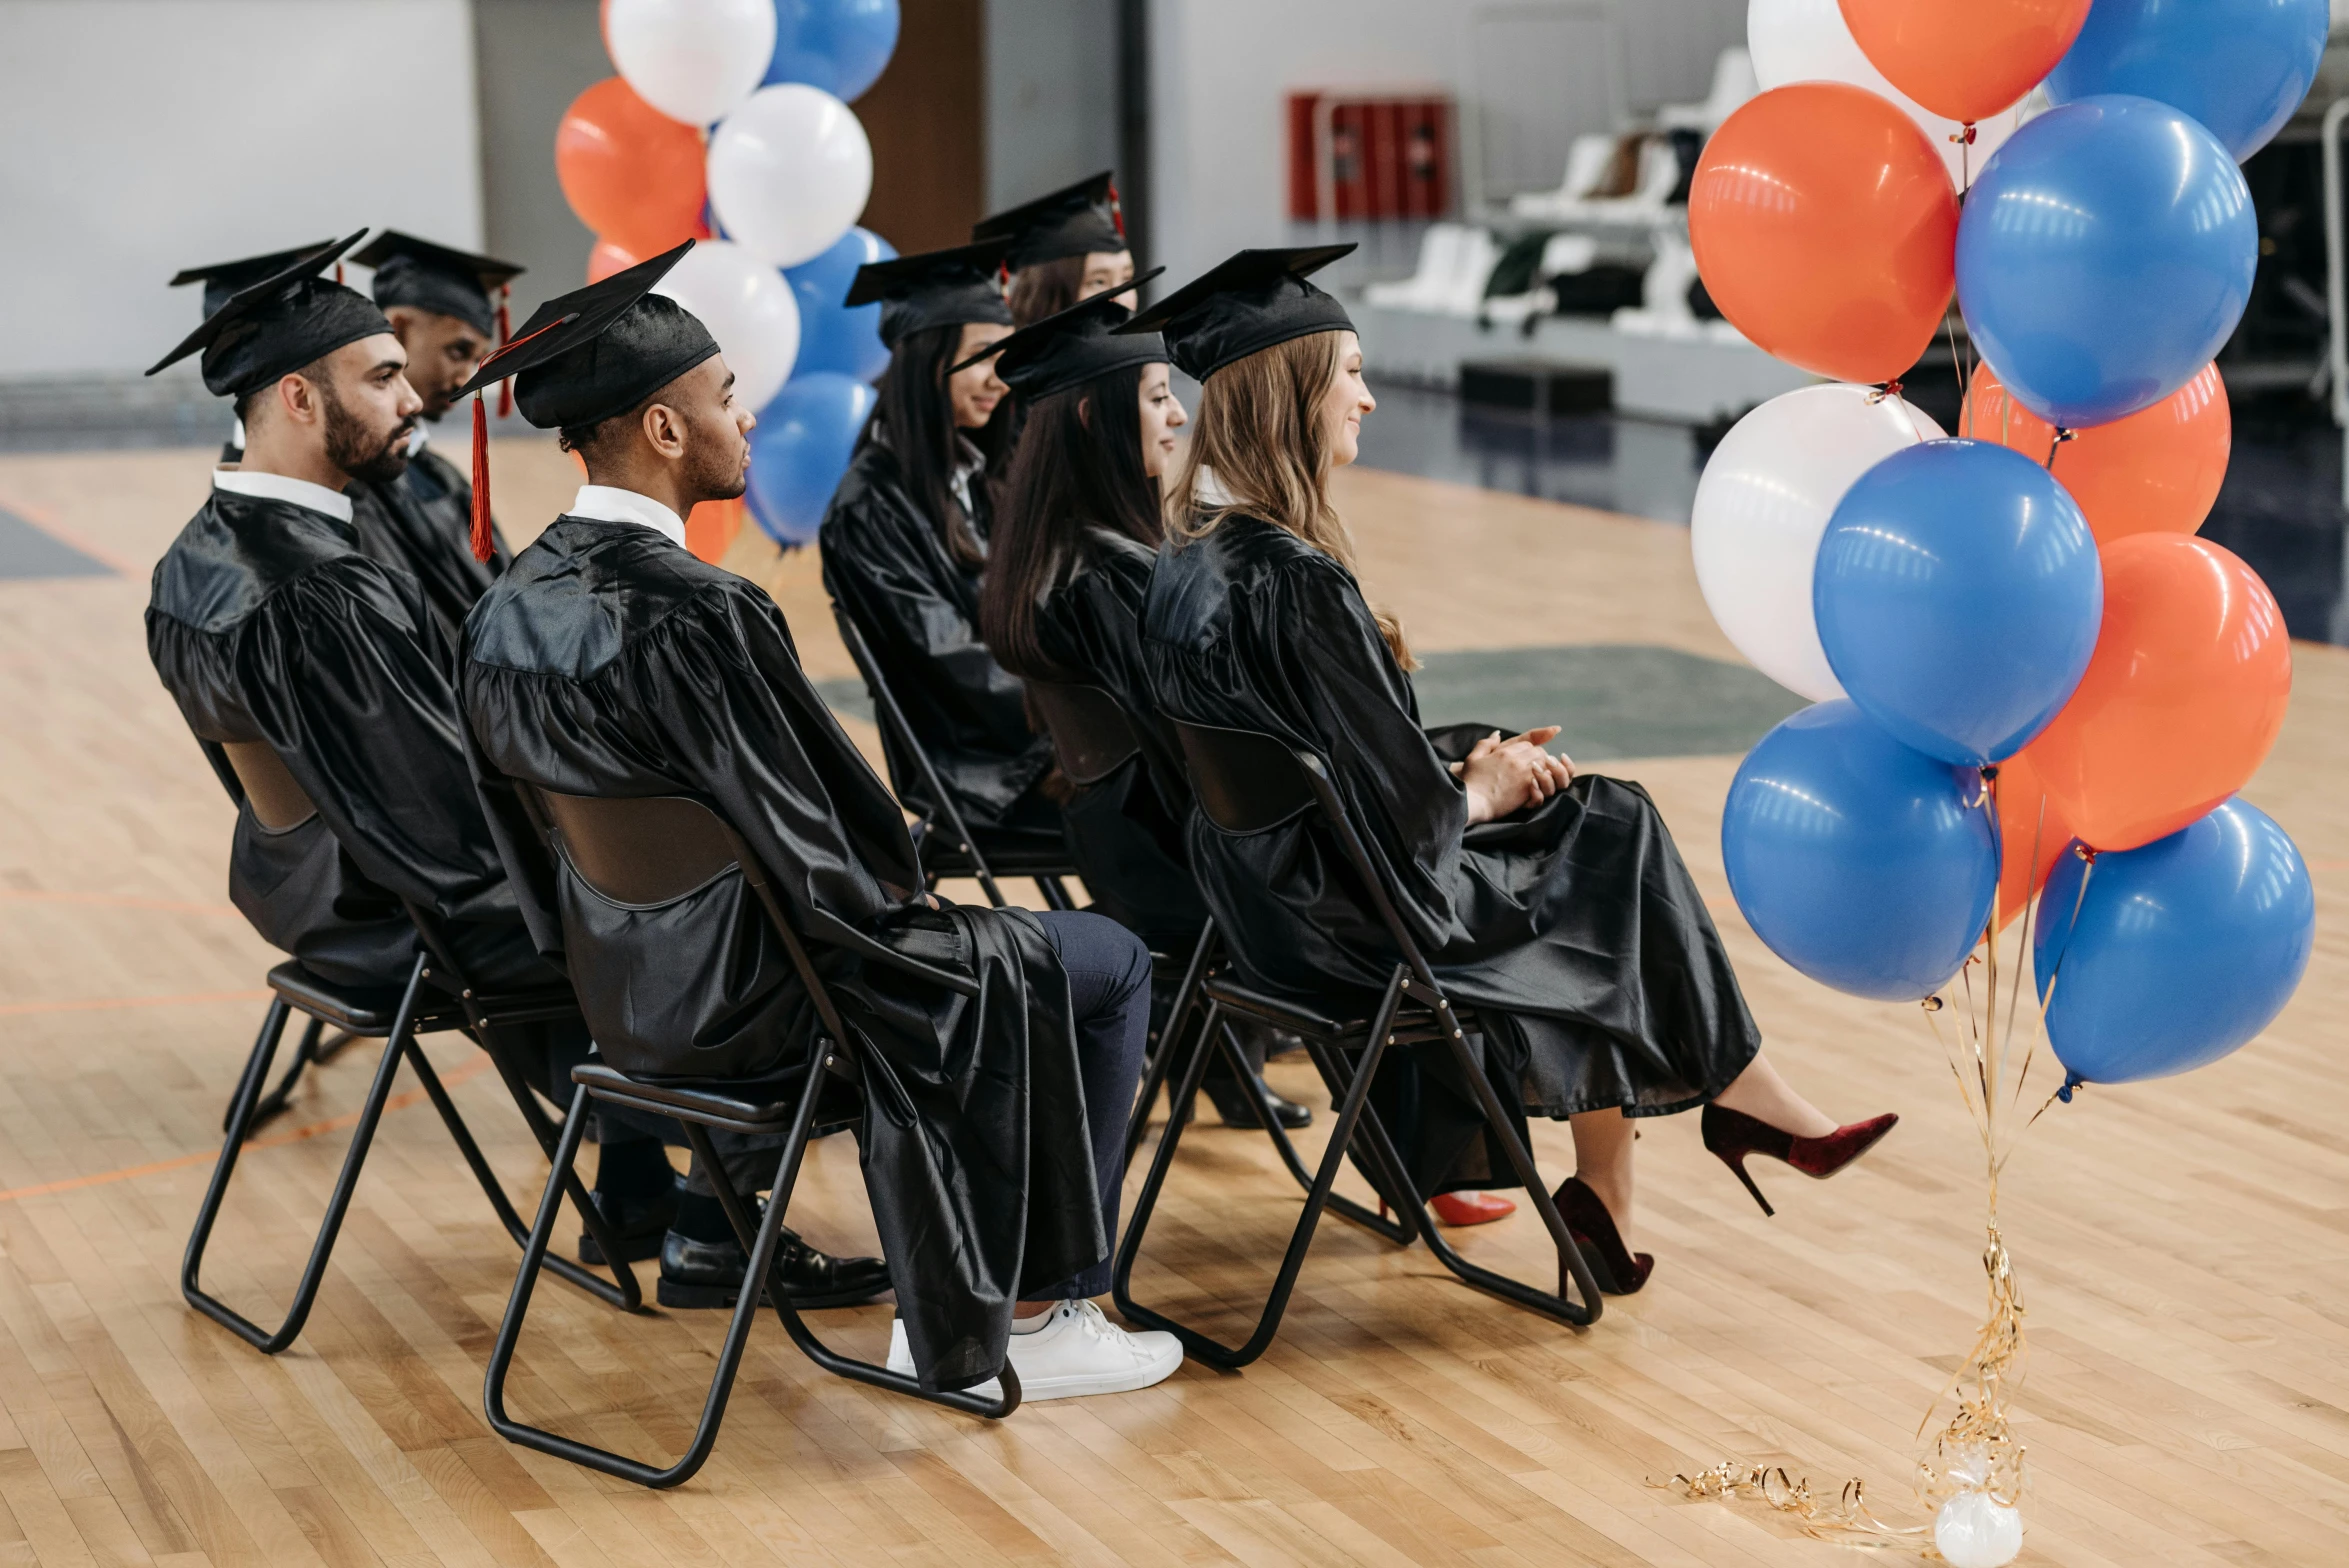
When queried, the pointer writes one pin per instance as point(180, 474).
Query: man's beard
point(724, 478)
point(351, 447)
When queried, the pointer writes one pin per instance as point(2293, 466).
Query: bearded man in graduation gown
point(608, 662)
point(268, 623)
point(447, 308)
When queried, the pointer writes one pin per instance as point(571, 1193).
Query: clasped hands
point(1503, 775)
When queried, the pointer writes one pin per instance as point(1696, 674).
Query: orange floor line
point(398, 1102)
point(92, 1004)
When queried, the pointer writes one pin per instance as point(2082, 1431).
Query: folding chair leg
point(1170, 1040)
point(276, 1099)
point(748, 1231)
point(240, 1124)
point(1055, 895)
point(332, 1046)
point(1349, 1115)
point(1399, 1230)
point(622, 1290)
point(1549, 1303)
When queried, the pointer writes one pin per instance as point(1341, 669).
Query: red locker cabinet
point(1359, 157)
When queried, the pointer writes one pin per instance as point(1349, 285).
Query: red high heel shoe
point(1618, 1270)
point(1465, 1208)
point(1732, 1135)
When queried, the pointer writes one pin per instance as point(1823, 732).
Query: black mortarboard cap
point(1249, 302)
point(601, 350)
point(279, 324)
point(1071, 348)
point(1075, 220)
point(586, 356)
point(938, 288)
point(410, 271)
point(223, 278)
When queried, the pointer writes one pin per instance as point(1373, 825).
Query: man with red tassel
point(448, 309)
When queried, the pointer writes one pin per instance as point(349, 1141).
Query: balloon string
point(2061, 436)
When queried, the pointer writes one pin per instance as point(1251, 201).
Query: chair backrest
point(897, 737)
point(647, 850)
point(1091, 734)
point(1244, 781)
point(1249, 782)
point(278, 801)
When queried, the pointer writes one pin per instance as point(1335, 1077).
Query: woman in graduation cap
point(905, 539)
point(1061, 248)
point(1077, 529)
point(1553, 903)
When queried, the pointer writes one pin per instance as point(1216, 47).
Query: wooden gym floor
point(2184, 1246)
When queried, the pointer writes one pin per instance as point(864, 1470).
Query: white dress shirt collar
point(609, 504)
point(280, 487)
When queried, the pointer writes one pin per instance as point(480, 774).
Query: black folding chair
point(1093, 736)
point(435, 999)
point(1250, 783)
point(945, 842)
point(644, 853)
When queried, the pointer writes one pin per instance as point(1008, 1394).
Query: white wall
point(141, 136)
point(1221, 71)
point(1051, 95)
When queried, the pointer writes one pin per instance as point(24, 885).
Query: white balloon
point(1809, 41)
point(1762, 505)
point(748, 308)
point(693, 60)
point(1974, 1531)
point(789, 173)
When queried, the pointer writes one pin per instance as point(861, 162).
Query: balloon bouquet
point(729, 124)
point(2032, 681)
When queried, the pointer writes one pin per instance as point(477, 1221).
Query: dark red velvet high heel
point(1732, 1135)
point(1618, 1270)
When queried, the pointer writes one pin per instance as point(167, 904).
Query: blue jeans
point(1109, 1002)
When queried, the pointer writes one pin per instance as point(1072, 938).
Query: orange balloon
point(2182, 699)
point(711, 526)
point(2157, 470)
point(1826, 230)
point(632, 174)
point(2032, 833)
point(1964, 59)
point(608, 258)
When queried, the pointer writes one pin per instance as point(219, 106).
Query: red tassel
point(338, 274)
point(481, 536)
point(1117, 211)
point(505, 331)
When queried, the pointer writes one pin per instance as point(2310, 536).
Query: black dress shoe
point(638, 1224)
point(709, 1274)
point(1238, 1107)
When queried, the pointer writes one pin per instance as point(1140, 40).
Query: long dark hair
point(916, 414)
point(1079, 466)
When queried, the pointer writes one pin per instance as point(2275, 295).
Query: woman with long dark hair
point(1553, 903)
point(1076, 531)
point(906, 537)
point(1064, 247)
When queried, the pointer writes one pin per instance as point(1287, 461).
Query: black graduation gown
point(1573, 929)
point(609, 662)
point(1125, 833)
point(267, 623)
point(886, 566)
point(422, 524)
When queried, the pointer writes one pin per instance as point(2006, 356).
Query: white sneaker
point(1077, 1352)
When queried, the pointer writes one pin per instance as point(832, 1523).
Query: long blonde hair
point(1259, 433)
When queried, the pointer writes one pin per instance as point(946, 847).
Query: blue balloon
point(1864, 864)
point(2239, 66)
point(1958, 596)
point(801, 448)
point(833, 337)
point(841, 46)
point(2178, 952)
point(2103, 257)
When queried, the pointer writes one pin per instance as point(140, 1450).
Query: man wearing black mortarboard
point(222, 280)
point(1066, 246)
point(609, 662)
point(268, 623)
point(447, 307)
